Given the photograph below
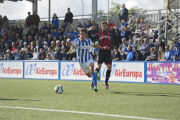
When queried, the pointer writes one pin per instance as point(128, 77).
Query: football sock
point(108, 73)
point(94, 79)
point(97, 70)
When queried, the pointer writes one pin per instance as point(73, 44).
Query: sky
point(18, 10)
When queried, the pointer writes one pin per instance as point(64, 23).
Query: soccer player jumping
point(86, 62)
point(104, 55)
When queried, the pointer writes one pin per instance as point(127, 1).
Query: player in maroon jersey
point(104, 56)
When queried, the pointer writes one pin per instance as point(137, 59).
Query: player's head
point(83, 33)
point(104, 26)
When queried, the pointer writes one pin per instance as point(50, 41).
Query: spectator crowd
point(131, 43)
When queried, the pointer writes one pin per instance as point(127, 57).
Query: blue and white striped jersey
point(82, 49)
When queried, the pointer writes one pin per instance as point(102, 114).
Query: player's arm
point(68, 43)
point(99, 47)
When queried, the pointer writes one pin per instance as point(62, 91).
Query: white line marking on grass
point(80, 112)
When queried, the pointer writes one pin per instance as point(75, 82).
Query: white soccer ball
point(58, 89)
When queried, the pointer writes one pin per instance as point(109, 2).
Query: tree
point(133, 9)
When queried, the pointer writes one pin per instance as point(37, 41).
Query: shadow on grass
point(147, 94)
point(17, 99)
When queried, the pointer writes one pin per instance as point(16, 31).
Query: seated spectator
point(168, 54)
point(148, 32)
point(38, 46)
point(96, 25)
point(44, 27)
point(5, 36)
point(175, 41)
point(142, 25)
point(56, 33)
point(137, 54)
point(63, 44)
point(115, 39)
point(139, 44)
point(35, 54)
point(49, 40)
point(67, 32)
point(7, 47)
point(25, 45)
point(130, 26)
point(63, 52)
point(161, 54)
point(2, 30)
point(71, 53)
point(61, 32)
point(35, 29)
point(136, 37)
point(42, 54)
point(62, 26)
point(69, 36)
point(175, 58)
point(116, 55)
point(12, 37)
point(58, 54)
point(111, 24)
point(176, 51)
point(79, 25)
point(89, 24)
point(31, 47)
point(153, 56)
point(130, 53)
point(17, 54)
point(124, 33)
point(25, 38)
point(32, 33)
point(145, 48)
point(69, 27)
point(25, 30)
point(75, 37)
point(46, 33)
point(121, 49)
point(54, 58)
point(1, 56)
point(123, 23)
point(160, 43)
point(40, 39)
point(2, 44)
point(27, 55)
point(8, 55)
point(36, 39)
point(58, 44)
point(131, 43)
point(72, 33)
point(13, 47)
point(48, 56)
point(22, 54)
point(84, 24)
point(30, 39)
point(20, 31)
point(53, 46)
point(42, 33)
point(45, 47)
point(50, 52)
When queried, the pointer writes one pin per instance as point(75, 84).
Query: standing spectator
point(123, 13)
point(153, 56)
point(160, 43)
point(28, 19)
point(35, 19)
point(168, 54)
point(35, 54)
point(161, 54)
point(123, 23)
point(139, 44)
point(13, 47)
point(142, 25)
point(116, 55)
point(17, 54)
point(8, 55)
point(137, 54)
point(55, 20)
point(27, 55)
point(121, 48)
point(42, 55)
point(148, 32)
point(58, 54)
point(6, 22)
point(145, 48)
point(1, 21)
point(110, 24)
point(68, 17)
point(130, 53)
point(25, 30)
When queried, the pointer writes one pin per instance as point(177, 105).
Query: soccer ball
point(58, 89)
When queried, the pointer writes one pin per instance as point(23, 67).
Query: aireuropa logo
point(112, 70)
point(68, 70)
point(33, 69)
point(71, 70)
point(1, 67)
point(122, 72)
point(9, 70)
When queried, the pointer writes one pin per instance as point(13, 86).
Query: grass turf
point(141, 100)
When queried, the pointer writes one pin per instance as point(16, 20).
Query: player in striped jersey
point(104, 56)
point(86, 62)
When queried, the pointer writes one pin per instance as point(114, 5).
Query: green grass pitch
point(127, 99)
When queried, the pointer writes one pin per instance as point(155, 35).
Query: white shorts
point(85, 66)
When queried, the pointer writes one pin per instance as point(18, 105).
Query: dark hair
point(83, 30)
point(135, 47)
point(102, 23)
point(115, 47)
point(175, 55)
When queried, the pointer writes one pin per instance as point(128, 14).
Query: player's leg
point(100, 60)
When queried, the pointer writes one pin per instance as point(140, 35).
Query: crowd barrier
point(122, 71)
